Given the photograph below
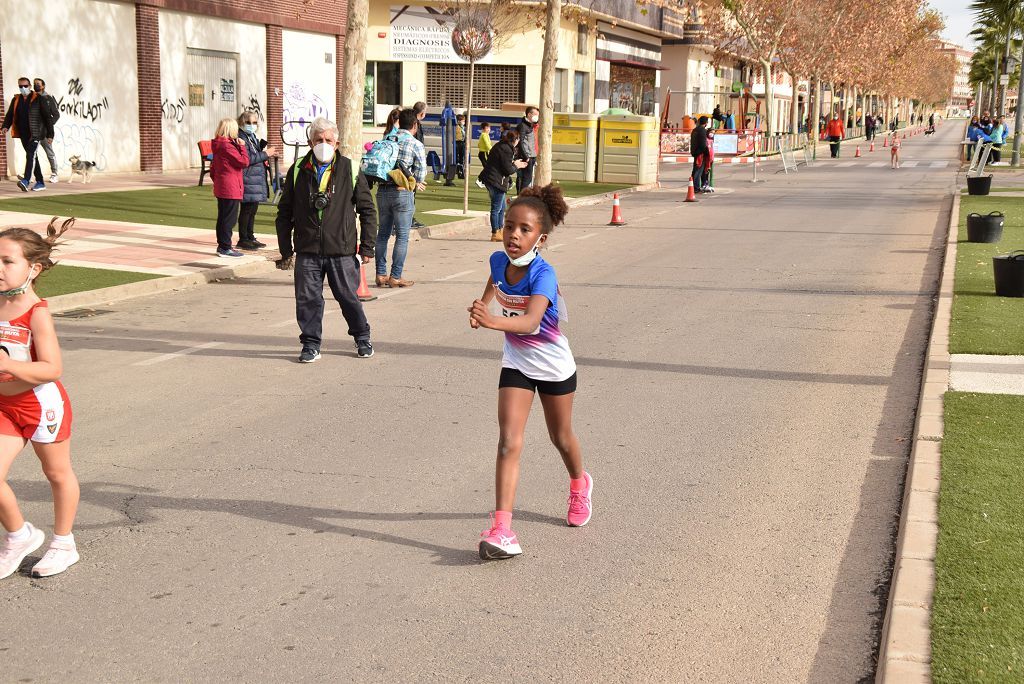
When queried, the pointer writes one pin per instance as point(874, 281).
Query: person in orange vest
point(834, 130)
point(24, 120)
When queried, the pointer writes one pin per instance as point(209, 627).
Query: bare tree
point(350, 114)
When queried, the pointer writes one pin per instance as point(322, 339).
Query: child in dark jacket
point(229, 158)
point(254, 180)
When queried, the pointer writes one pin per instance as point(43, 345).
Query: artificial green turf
point(62, 279)
point(978, 610)
point(983, 323)
point(196, 207)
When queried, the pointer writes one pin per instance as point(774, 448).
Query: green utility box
point(627, 149)
point(574, 147)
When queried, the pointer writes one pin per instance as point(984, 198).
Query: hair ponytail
point(548, 201)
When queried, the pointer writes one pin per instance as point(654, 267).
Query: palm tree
point(998, 21)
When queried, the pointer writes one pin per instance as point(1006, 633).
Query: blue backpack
point(381, 159)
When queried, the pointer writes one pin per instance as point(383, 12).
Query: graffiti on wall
point(174, 111)
point(254, 107)
point(83, 140)
point(75, 105)
point(301, 106)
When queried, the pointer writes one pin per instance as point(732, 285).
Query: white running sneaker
point(53, 178)
point(14, 553)
point(58, 558)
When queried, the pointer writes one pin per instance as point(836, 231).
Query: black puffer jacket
point(36, 124)
point(499, 166)
point(335, 234)
point(254, 176)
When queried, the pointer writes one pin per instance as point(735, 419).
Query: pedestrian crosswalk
point(904, 163)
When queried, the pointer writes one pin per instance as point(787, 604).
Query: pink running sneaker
point(58, 558)
point(499, 542)
point(580, 509)
point(13, 553)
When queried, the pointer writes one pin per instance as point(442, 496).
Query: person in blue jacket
point(254, 179)
point(998, 136)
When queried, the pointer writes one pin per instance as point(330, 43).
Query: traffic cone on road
point(616, 212)
point(690, 196)
point(885, 141)
point(856, 153)
point(872, 148)
point(363, 293)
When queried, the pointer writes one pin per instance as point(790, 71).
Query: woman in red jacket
point(230, 158)
point(835, 133)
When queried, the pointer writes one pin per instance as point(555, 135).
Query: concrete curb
point(482, 223)
point(906, 649)
point(117, 293)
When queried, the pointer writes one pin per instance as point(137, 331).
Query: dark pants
point(246, 220)
point(483, 158)
point(834, 144)
point(31, 165)
point(227, 217)
point(697, 174)
point(524, 177)
point(997, 154)
point(342, 275)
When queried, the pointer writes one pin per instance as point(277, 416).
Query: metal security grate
point(492, 85)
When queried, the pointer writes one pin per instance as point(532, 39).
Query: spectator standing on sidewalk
point(229, 159)
point(24, 119)
point(254, 180)
point(834, 131)
point(499, 168)
point(50, 115)
point(316, 232)
point(527, 129)
point(421, 113)
point(869, 127)
point(998, 136)
point(699, 151)
point(396, 205)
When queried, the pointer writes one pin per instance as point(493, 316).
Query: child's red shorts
point(42, 414)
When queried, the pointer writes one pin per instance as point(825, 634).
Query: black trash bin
point(985, 228)
point(979, 185)
point(1009, 274)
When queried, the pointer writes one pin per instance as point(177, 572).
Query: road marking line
point(395, 291)
point(876, 165)
point(847, 164)
point(453, 276)
point(560, 244)
point(908, 164)
point(588, 235)
point(174, 355)
point(290, 321)
point(939, 164)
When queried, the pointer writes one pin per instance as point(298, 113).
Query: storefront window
point(580, 92)
point(383, 87)
point(632, 88)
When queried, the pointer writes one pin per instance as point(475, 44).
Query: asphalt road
point(749, 367)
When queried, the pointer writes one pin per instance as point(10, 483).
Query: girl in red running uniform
point(536, 359)
point(33, 403)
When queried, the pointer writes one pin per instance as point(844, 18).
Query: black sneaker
point(247, 245)
point(309, 355)
point(364, 349)
point(417, 224)
point(259, 245)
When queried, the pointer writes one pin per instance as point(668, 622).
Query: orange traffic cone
point(363, 293)
point(885, 141)
point(857, 152)
point(616, 212)
point(872, 148)
point(690, 196)
point(904, 136)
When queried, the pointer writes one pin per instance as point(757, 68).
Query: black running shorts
point(510, 377)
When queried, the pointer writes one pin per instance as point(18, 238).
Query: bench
point(206, 157)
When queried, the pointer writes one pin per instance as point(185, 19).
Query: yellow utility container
point(628, 149)
point(574, 147)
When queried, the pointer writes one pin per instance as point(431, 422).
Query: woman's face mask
point(250, 128)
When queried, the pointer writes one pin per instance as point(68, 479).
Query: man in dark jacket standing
point(24, 119)
point(527, 148)
point(321, 195)
point(50, 111)
point(699, 151)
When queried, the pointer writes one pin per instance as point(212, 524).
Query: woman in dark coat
point(254, 179)
point(501, 165)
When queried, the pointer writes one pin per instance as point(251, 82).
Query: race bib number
point(17, 344)
point(512, 305)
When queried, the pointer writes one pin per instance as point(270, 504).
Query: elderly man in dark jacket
point(699, 151)
point(527, 148)
point(316, 231)
point(25, 120)
point(254, 180)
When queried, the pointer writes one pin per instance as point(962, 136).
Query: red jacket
point(834, 128)
point(229, 159)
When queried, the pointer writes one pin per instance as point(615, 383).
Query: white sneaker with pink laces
point(58, 558)
point(499, 542)
point(14, 552)
point(580, 508)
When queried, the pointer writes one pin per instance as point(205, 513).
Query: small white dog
point(81, 168)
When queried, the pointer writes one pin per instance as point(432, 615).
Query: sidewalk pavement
point(101, 182)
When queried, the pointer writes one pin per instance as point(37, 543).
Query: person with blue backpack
point(395, 203)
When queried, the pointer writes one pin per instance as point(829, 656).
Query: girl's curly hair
point(548, 202)
point(35, 247)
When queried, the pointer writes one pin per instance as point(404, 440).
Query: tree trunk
point(468, 139)
point(350, 109)
point(815, 127)
point(552, 26)
point(1018, 119)
point(1006, 65)
point(794, 115)
point(769, 96)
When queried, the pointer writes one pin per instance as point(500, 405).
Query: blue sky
point(959, 20)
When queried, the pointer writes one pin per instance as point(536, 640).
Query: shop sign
point(621, 139)
point(423, 34)
point(196, 94)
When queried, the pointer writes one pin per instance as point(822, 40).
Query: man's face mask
point(25, 90)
